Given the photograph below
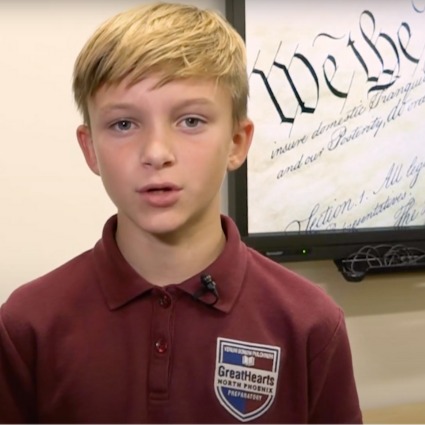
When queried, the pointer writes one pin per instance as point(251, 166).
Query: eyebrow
point(194, 101)
point(129, 106)
point(117, 107)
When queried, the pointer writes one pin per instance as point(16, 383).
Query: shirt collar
point(120, 283)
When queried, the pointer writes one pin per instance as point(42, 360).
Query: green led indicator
point(304, 251)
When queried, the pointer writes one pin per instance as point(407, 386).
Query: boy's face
point(162, 153)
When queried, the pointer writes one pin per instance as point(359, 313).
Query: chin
point(161, 223)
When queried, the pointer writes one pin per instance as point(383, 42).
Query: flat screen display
point(337, 95)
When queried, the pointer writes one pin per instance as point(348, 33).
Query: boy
point(170, 318)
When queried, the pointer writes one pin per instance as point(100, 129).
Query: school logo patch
point(246, 377)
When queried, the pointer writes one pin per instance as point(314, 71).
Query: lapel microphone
point(208, 286)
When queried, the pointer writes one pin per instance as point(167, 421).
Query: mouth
point(159, 188)
point(167, 189)
point(163, 195)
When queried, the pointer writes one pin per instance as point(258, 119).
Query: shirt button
point(161, 346)
point(165, 301)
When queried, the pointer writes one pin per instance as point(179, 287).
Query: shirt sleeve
point(333, 393)
point(17, 394)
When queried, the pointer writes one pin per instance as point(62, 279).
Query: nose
point(157, 150)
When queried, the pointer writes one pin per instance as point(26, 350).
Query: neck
point(162, 262)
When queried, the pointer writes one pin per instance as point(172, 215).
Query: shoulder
point(54, 293)
point(293, 300)
point(303, 319)
point(287, 286)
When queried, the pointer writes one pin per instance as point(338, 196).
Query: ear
point(241, 142)
point(85, 141)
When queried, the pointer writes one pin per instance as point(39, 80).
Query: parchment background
point(359, 165)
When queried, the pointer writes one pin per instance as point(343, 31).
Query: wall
point(53, 208)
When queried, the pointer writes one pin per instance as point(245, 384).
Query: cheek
point(207, 167)
point(110, 154)
point(211, 150)
point(112, 165)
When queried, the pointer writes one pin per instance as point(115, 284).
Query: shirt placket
point(159, 367)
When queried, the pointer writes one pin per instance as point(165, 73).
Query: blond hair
point(177, 41)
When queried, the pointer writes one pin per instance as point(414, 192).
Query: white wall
point(53, 208)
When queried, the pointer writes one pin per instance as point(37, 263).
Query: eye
point(192, 122)
point(123, 125)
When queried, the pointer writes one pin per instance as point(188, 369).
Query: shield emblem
point(245, 378)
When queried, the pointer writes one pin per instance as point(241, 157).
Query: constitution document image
point(337, 96)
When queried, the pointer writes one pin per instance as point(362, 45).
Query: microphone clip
point(209, 286)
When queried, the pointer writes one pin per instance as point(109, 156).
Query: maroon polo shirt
point(93, 342)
